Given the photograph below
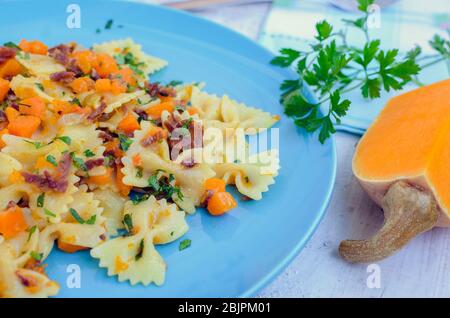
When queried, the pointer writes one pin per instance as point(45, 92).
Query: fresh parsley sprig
point(332, 67)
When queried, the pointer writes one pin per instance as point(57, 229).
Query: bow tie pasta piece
point(26, 87)
point(18, 282)
point(134, 257)
point(251, 179)
point(23, 245)
point(128, 53)
point(223, 112)
point(112, 204)
point(115, 101)
point(190, 180)
point(39, 65)
point(8, 165)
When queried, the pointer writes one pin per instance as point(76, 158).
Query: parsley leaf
point(36, 256)
point(40, 200)
point(76, 216)
point(51, 159)
point(125, 142)
point(89, 153)
point(184, 244)
point(12, 45)
point(65, 139)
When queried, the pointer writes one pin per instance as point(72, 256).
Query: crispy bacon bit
point(6, 53)
point(142, 114)
point(155, 89)
point(179, 139)
point(23, 203)
point(246, 198)
point(147, 141)
point(47, 181)
point(61, 54)
point(105, 136)
point(64, 77)
point(92, 163)
point(105, 117)
point(35, 265)
point(97, 113)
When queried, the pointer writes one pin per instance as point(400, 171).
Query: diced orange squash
point(64, 107)
point(124, 189)
point(82, 84)
point(106, 65)
point(70, 248)
point(220, 203)
point(118, 87)
point(126, 75)
point(35, 47)
point(128, 124)
point(103, 85)
point(12, 222)
point(3, 132)
point(11, 113)
point(215, 184)
point(24, 125)
point(103, 179)
point(16, 177)
point(32, 106)
point(4, 88)
point(85, 60)
point(156, 110)
point(10, 68)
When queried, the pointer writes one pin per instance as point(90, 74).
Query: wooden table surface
point(422, 269)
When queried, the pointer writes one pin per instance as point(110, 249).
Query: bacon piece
point(47, 181)
point(3, 120)
point(61, 54)
point(6, 53)
point(92, 163)
point(152, 139)
point(188, 163)
point(64, 77)
point(155, 89)
point(98, 112)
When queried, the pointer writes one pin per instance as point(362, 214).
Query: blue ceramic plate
point(234, 255)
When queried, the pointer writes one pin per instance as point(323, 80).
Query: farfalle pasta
point(95, 156)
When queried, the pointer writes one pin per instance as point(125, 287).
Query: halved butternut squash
point(402, 163)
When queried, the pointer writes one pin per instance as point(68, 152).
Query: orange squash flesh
point(409, 141)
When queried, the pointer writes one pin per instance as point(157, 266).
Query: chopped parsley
point(76, 101)
point(139, 172)
point(92, 219)
point(49, 213)
point(52, 160)
point(128, 222)
point(78, 162)
point(40, 86)
point(12, 45)
point(97, 30)
point(163, 186)
point(140, 250)
point(65, 139)
point(131, 61)
point(125, 142)
point(89, 153)
point(109, 24)
point(80, 220)
point(31, 231)
point(184, 244)
point(36, 144)
point(36, 256)
point(174, 83)
point(76, 216)
point(40, 200)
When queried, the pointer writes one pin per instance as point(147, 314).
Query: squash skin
point(423, 115)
